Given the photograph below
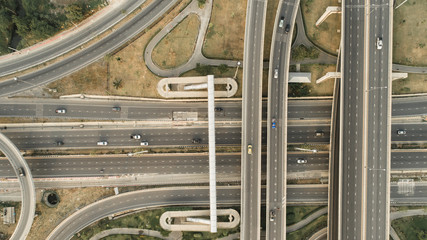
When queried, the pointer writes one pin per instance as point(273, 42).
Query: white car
point(135, 136)
point(102, 143)
point(144, 143)
point(379, 43)
point(281, 22)
point(401, 132)
point(301, 161)
point(276, 73)
point(61, 110)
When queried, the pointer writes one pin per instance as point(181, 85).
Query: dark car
point(287, 28)
point(116, 109)
point(219, 109)
point(196, 140)
point(59, 143)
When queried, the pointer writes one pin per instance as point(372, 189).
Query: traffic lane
point(411, 132)
point(121, 165)
point(301, 162)
point(352, 132)
point(409, 106)
point(19, 110)
point(120, 137)
point(408, 160)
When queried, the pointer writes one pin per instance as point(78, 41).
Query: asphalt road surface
point(47, 138)
point(351, 128)
point(377, 204)
point(277, 115)
point(102, 110)
point(252, 119)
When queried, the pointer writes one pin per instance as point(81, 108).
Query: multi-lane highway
point(227, 164)
point(145, 18)
point(252, 119)
point(352, 197)
point(147, 110)
point(377, 87)
point(44, 137)
point(70, 137)
point(277, 119)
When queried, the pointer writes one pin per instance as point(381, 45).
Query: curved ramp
point(28, 192)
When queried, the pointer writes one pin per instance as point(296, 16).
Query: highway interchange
point(251, 132)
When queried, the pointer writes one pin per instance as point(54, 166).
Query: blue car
point(273, 123)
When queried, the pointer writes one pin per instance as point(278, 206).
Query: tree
point(74, 12)
point(203, 69)
point(117, 83)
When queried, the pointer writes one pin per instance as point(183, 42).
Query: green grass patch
point(295, 214)
point(411, 228)
point(302, 52)
point(309, 229)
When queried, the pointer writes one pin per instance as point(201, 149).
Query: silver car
point(276, 73)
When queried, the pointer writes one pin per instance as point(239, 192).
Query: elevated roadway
point(28, 192)
point(377, 87)
point(277, 114)
point(252, 119)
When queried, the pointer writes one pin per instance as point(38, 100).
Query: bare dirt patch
point(178, 46)
point(71, 200)
point(325, 36)
point(126, 66)
point(226, 31)
point(325, 88)
point(415, 83)
point(410, 33)
point(269, 25)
